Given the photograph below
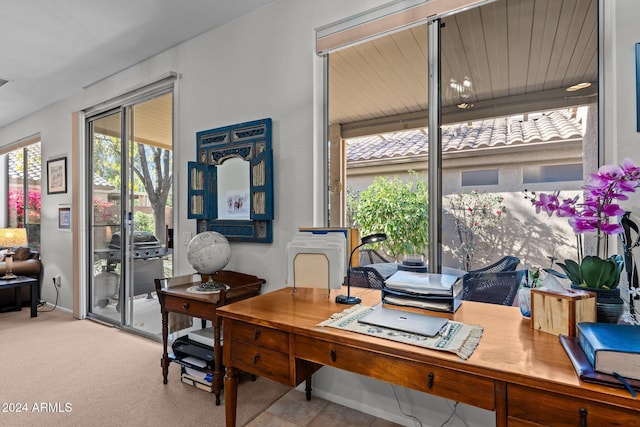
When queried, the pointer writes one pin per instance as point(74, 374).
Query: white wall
point(263, 65)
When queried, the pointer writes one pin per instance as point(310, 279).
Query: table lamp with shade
point(10, 238)
point(366, 240)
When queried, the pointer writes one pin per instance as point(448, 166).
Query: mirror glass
point(233, 189)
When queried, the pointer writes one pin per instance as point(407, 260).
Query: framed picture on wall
point(64, 218)
point(57, 175)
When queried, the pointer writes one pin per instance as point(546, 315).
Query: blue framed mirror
point(231, 184)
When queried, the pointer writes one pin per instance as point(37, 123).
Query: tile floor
point(293, 410)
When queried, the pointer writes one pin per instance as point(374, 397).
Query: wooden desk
point(522, 374)
point(174, 297)
point(17, 284)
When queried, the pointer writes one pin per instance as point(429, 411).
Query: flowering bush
point(594, 214)
point(475, 215)
point(16, 206)
point(103, 212)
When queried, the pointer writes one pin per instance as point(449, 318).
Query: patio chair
point(508, 263)
point(499, 287)
point(366, 277)
point(371, 256)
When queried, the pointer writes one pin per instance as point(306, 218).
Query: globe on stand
point(207, 253)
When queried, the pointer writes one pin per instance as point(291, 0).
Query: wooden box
point(559, 312)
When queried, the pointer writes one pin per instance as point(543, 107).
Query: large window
point(23, 171)
point(518, 102)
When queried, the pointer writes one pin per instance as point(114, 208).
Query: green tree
point(143, 222)
point(153, 168)
point(152, 173)
point(400, 210)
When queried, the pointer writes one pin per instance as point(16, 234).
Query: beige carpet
point(59, 371)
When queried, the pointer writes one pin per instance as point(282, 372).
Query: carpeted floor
point(59, 371)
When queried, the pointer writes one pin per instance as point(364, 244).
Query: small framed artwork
point(57, 175)
point(64, 218)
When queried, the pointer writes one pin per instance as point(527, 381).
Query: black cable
point(453, 412)
point(56, 303)
point(413, 417)
point(455, 406)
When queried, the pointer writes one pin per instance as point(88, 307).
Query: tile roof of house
point(35, 169)
point(505, 131)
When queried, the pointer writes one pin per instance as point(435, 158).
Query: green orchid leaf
point(572, 270)
point(595, 271)
point(614, 280)
point(601, 273)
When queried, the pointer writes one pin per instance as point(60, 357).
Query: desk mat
point(462, 339)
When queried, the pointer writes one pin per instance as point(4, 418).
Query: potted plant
point(597, 272)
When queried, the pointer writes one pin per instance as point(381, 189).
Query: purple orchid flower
point(602, 191)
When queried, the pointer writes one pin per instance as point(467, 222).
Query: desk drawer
point(271, 339)
point(546, 408)
point(454, 385)
point(199, 309)
point(261, 361)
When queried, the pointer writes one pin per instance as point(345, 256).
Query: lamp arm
point(349, 270)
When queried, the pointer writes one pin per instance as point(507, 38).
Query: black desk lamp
point(348, 299)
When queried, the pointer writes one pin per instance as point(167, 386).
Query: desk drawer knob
point(430, 380)
point(185, 305)
point(256, 334)
point(583, 417)
point(255, 358)
point(333, 354)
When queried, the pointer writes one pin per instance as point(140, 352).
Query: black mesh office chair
point(366, 277)
point(508, 263)
point(371, 256)
point(493, 287)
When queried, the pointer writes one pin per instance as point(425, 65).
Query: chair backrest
point(370, 256)
point(366, 277)
point(508, 263)
point(494, 288)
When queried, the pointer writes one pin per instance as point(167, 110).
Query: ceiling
point(52, 49)
point(515, 56)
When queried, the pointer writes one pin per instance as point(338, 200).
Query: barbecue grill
point(147, 261)
point(145, 245)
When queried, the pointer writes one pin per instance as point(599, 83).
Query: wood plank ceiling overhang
point(507, 57)
point(152, 122)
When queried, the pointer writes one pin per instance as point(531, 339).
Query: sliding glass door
point(131, 166)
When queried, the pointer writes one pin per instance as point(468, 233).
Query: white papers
point(202, 336)
point(194, 361)
point(422, 283)
point(429, 304)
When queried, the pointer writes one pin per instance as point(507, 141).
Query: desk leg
point(230, 396)
point(217, 356)
point(501, 403)
point(164, 362)
point(307, 388)
point(34, 299)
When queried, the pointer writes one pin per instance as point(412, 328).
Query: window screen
point(555, 173)
point(480, 177)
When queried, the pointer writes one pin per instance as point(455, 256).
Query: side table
point(17, 284)
point(176, 295)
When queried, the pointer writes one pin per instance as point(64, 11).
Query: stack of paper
point(422, 283)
